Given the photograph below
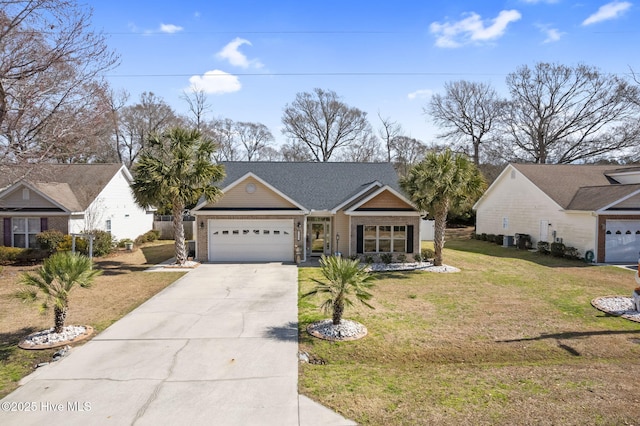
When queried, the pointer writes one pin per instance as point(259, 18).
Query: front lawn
point(512, 339)
point(123, 286)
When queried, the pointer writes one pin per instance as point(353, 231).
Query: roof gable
point(316, 186)
point(71, 186)
point(251, 192)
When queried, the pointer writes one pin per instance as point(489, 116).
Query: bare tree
point(150, 116)
point(296, 151)
point(388, 132)
point(322, 122)
point(467, 112)
point(226, 140)
point(51, 77)
point(198, 107)
point(366, 150)
point(561, 114)
point(254, 137)
point(408, 152)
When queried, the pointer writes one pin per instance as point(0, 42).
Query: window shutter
point(44, 224)
point(409, 238)
point(7, 231)
point(360, 239)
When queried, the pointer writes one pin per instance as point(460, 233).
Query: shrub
point(386, 258)
point(417, 257)
point(103, 243)
point(147, 237)
point(50, 240)
point(483, 237)
point(524, 241)
point(368, 259)
point(428, 253)
point(557, 249)
point(499, 239)
point(491, 238)
point(82, 245)
point(402, 258)
point(124, 241)
point(543, 247)
point(354, 257)
point(571, 253)
point(9, 254)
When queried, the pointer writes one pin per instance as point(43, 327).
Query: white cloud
point(611, 10)
point(236, 58)
point(215, 82)
point(420, 94)
point(170, 28)
point(472, 29)
point(552, 34)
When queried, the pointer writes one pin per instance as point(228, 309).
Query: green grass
point(511, 339)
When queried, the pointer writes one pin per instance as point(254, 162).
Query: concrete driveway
point(218, 347)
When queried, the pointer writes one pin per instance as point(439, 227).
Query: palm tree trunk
point(440, 216)
point(59, 317)
point(338, 310)
point(178, 232)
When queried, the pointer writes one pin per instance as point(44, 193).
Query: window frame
point(388, 238)
point(27, 232)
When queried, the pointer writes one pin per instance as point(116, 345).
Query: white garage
point(251, 240)
point(622, 241)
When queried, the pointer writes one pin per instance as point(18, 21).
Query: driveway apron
point(218, 347)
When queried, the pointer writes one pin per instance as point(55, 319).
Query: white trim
point(374, 194)
point(383, 213)
point(262, 181)
point(248, 213)
point(626, 197)
point(365, 190)
point(619, 213)
point(26, 184)
point(33, 213)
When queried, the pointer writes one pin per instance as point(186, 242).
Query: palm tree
point(439, 183)
point(55, 279)
point(345, 277)
point(175, 170)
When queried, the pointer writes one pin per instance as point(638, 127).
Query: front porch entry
point(318, 236)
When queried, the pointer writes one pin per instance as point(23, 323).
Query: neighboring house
point(70, 198)
point(281, 211)
point(593, 208)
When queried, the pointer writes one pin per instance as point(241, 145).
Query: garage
point(622, 241)
point(251, 240)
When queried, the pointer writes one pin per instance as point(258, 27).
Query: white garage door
point(622, 241)
point(252, 240)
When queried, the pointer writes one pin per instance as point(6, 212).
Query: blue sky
point(252, 57)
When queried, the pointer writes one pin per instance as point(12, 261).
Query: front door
point(320, 238)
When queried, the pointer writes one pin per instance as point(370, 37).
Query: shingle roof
point(577, 186)
point(74, 186)
point(316, 186)
point(593, 198)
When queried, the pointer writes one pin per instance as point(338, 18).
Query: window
point(108, 226)
point(385, 239)
point(24, 231)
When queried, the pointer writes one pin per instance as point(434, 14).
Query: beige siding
point(515, 205)
point(263, 197)
point(341, 226)
point(385, 200)
point(15, 200)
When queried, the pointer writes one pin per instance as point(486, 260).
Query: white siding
point(515, 205)
point(116, 203)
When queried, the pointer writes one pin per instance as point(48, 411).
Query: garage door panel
point(622, 241)
point(251, 240)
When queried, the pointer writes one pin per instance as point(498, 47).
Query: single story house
point(291, 211)
point(70, 198)
point(594, 208)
